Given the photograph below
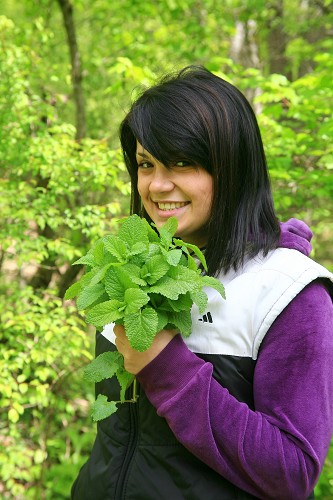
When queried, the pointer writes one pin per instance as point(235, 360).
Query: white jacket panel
point(255, 296)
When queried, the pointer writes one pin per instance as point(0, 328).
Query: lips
point(171, 205)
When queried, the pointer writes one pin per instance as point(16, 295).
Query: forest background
point(68, 73)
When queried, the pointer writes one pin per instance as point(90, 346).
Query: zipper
point(133, 410)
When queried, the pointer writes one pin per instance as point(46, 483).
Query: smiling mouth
point(172, 205)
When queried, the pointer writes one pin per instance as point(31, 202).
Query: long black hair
point(195, 115)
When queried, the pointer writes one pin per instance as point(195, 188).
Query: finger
point(118, 330)
point(119, 345)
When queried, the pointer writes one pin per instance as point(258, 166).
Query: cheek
point(139, 186)
point(207, 192)
point(143, 191)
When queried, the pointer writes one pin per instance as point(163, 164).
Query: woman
point(243, 408)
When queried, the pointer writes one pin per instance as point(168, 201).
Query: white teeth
point(171, 206)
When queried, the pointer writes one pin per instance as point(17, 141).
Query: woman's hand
point(134, 360)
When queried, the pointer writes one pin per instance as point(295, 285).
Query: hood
point(295, 234)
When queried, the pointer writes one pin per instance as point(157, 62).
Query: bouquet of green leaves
point(145, 280)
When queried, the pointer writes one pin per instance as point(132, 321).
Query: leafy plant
point(145, 281)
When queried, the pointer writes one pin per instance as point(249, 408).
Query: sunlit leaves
point(138, 277)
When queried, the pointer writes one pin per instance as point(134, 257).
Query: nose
point(161, 179)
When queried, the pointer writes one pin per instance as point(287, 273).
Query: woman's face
point(183, 191)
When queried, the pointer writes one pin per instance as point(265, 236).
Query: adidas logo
point(206, 318)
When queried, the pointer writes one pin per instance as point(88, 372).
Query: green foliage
point(54, 199)
point(135, 278)
point(142, 280)
point(43, 348)
point(51, 185)
point(297, 125)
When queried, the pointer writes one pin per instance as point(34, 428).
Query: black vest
point(136, 456)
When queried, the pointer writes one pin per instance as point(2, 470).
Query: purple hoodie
point(278, 450)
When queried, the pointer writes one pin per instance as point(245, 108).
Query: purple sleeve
point(278, 450)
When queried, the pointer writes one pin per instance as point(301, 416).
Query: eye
point(183, 163)
point(144, 164)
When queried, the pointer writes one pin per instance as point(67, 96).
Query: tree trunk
point(277, 41)
point(67, 13)
point(244, 50)
point(243, 46)
point(43, 277)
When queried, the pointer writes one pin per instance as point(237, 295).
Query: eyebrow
point(142, 154)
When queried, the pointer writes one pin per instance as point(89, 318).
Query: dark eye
point(144, 164)
point(182, 163)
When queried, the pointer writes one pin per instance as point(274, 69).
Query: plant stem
point(135, 394)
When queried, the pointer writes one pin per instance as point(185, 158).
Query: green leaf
point(89, 295)
point(135, 299)
point(152, 234)
point(73, 290)
point(117, 281)
point(116, 247)
point(162, 320)
point(187, 279)
point(106, 312)
point(153, 249)
point(99, 275)
point(183, 303)
point(94, 257)
point(194, 249)
point(134, 272)
point(200, 298)
point(98, 252)
point(182, 322)
point(179, 280)
point(173, 257)
point(86, 280)
point(170, 226)
point(154, 269)
point(192, 264)
point(167, 231)
point(213, 283)
point(125, 379)
point(102, 408)
point(141, 328)
point(13, 415)
point(133, 230)
point(87, 260)
point(104, 366)
point(88, 277)
point(167, 287)
point(138, 248)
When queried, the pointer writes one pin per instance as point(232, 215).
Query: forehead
point(141, 151)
